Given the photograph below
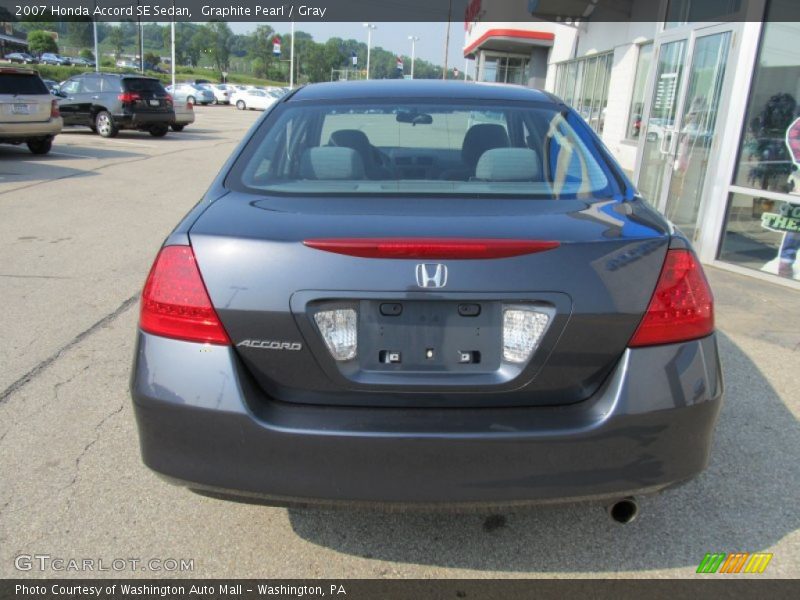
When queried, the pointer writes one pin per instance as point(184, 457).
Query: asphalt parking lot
point(79, 229)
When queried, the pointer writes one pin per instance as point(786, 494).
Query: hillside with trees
point(215, 46)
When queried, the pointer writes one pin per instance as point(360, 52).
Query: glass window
point(762, 229)
point(386, 147)
point(681, 12)
point(639, 83)
point(583, 84)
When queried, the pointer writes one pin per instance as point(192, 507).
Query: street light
point(414, 39)
point(369, 27)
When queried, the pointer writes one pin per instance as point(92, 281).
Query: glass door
point(681, 124)
point(661, 121)
point(691, 151)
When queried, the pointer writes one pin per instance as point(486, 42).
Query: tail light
point(430, 248)
point(169, 100)
point(54, 111)
point(682, 306)
point(128, 97)
point(189, 106)
point(175, 301)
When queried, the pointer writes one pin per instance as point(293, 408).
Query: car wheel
point(241, 105)
point(190, 100)
point(40, 146)
point(159, 130)
point(177, 127)
point(104, 123)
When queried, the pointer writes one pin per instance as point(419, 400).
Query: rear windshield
point(18, 83)
point(143, 85)
point(428, 148)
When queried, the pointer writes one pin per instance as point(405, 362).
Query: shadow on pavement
point(22, 166)
point(744, 502)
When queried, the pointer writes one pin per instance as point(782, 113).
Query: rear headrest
point(479, 139)
point(509, 164)
point(331, 162)
point(350, 138)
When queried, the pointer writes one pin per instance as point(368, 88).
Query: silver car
point(195, 94)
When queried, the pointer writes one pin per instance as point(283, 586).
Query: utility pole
point(447, 38)
point(96, 51)
point(291, 61)
point(141, 44)
point(414, 40)
point(369, 27)
point(172, 49)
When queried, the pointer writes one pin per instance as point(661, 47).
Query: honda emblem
point(431, 276)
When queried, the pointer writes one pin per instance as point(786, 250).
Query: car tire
point(104, 124)
point(240, 104)
point(177, 127)
point(159, 130)
point(190, 100)
point(40, 146)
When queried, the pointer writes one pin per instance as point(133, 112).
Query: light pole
point(291, 61)
point(369, 27)
point(414, 39)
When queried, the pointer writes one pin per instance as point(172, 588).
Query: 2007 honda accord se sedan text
point(423, 294)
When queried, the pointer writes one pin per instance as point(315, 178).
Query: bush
point(41, 41)
point(87, 54)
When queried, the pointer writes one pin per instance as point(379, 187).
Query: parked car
point(222, 92)
point(51, 85)
point(49, 58)
point(253, 99)
point(193, 93)
point(28, 113)
point(22, 58)
point(184, 112)
point(357, 312)
point(109, 102)
point(83, 62)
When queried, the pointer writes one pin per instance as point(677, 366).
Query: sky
point(389, 36)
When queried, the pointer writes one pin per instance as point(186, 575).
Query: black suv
point(108, 102)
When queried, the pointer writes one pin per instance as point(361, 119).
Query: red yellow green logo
point(736, 562)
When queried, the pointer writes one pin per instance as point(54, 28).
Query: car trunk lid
point(421, 345)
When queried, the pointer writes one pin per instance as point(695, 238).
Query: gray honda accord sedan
point(425, 293)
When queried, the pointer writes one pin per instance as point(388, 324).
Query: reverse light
point(682, 306)
point(175, 303)
point(522, 332)
point(339, 330)
point(431, 248)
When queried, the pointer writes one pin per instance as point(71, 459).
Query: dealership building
point(699, 101)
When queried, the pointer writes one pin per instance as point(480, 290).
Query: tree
point(220, 35)
point(151, 59)
point(117, 40)
point(41, 41)
point(80, 33)
point(199, 45)
point(87, 54)
point(261, 45)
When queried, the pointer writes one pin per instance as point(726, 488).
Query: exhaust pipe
point(624, 511)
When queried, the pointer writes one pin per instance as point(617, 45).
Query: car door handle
point(95, 97)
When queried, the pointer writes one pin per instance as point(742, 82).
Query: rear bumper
point(203, 424)
point(184, 117)
point(25, 131)
point(143, 120)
